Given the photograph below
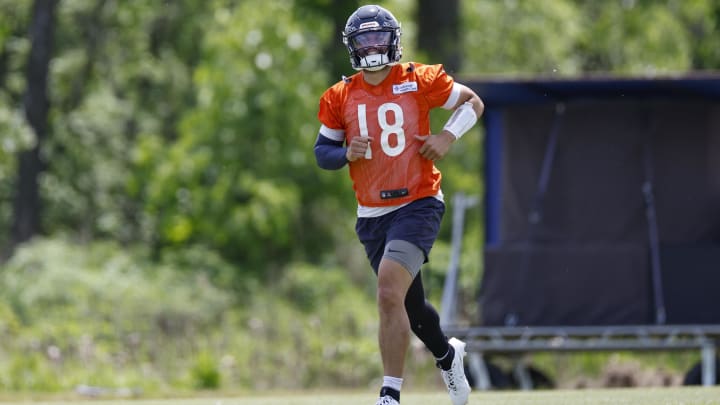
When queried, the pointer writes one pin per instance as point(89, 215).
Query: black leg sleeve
point(424, 319)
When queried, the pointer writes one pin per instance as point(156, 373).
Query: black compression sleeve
point(329, 154)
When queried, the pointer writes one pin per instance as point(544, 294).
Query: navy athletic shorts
point(417, 223)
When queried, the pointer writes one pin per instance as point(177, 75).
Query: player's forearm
point(329, 154)
point(467, 95)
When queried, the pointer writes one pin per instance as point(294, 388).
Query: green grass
point(630, 396)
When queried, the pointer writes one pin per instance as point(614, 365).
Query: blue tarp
point(586, 261)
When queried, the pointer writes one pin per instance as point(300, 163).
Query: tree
point(123, 71)
point(15, 132)
point(522, 37)
point(335, 57)
point(238, 177)
point(26, 207)
point(189, 122)
point(439, 31)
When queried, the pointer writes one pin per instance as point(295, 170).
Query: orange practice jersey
point(391, 113)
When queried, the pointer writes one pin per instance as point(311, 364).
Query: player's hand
point(358, 148)
point(435, 147)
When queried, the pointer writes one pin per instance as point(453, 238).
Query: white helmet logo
point(371, 24)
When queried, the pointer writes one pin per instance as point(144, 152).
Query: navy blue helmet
point(372, 36)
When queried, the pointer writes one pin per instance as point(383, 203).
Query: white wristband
point(461, 120)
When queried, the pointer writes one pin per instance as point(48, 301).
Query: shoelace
point(451, 379)
point(385, 401)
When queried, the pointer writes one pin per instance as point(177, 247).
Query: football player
point(377, 123)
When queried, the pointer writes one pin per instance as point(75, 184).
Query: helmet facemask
point(371, 49)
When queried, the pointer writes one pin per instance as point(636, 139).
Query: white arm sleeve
point(334, 134)
point(453, 97)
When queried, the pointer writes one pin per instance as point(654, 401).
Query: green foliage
point(570, 37)
point(120, 71)
point(181, 135)
point(29, 373)
point(205, 372)
point(103, 316)
point(16, 136)
point(101, 308)
point(326, 335)
point(14, 48)
point(103, 284)
point(701, 19)
point(236, 177)
point(191, 122)
point(523, 36)
point(15, 133)
point(626, 37)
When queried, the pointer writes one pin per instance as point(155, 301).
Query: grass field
point(631, 396)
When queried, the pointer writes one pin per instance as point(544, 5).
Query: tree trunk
point(438, 27)
point(26, 204)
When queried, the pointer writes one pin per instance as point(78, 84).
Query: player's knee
point(389, 298)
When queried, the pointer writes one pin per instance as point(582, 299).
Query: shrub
point(105, 315)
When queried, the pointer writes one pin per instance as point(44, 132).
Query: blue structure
point(602, 219)
point(501, 94)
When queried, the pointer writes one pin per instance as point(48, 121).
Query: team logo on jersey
point(404, 87)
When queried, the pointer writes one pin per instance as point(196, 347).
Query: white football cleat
point(457, 385)
point(387, 400)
